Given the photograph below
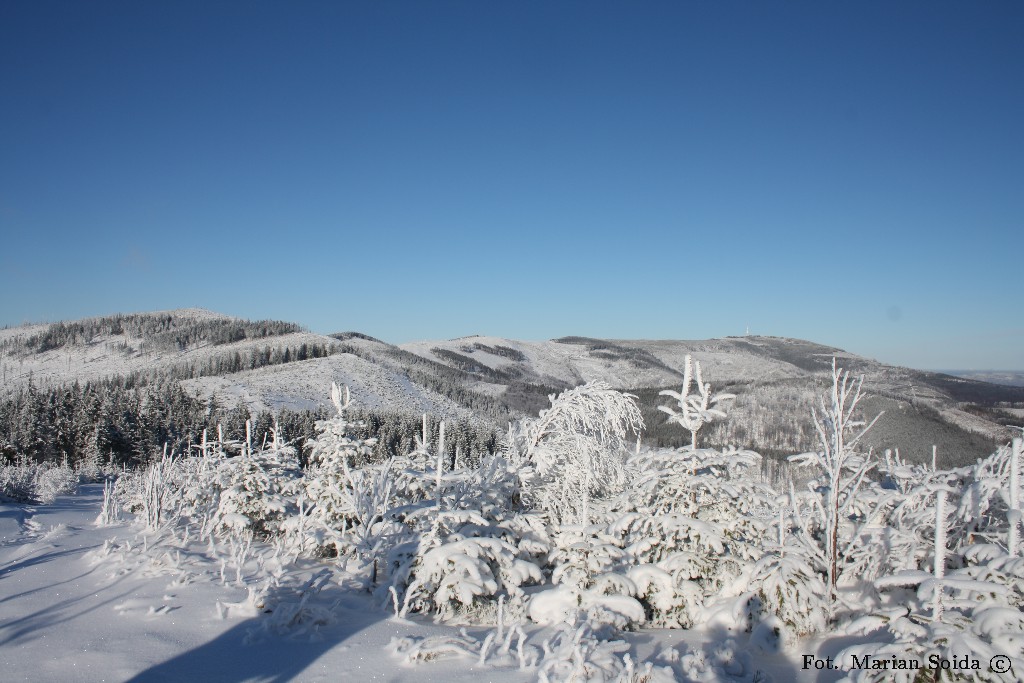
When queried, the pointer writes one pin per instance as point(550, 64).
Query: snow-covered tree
point(334, 452)
point(842, 468)
point(259, 487)
point(693, 411)
point(335, 440)
point(576, 449)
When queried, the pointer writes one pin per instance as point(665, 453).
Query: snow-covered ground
point(82, 602)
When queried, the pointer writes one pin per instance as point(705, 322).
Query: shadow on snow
point(251, 652)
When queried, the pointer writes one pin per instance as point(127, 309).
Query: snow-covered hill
point(28, 356)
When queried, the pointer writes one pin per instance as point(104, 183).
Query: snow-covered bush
point(356, 523)
point(984, 507)
point(459, 542)
point(160, 485)
point(293, 613)
point(792, 590)
point(960, 650)
point(174, 487)
point(110, 513)
point(459, 579)
point(688, 525)
point(669, 600)
point(967, 609)
point(456, 564)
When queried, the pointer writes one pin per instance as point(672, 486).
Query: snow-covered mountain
point(776, 380)
point(268, 365)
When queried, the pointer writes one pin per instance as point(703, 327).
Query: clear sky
point(849, 173)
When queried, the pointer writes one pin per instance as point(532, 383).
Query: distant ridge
point(492, 380)
point(1012, 378)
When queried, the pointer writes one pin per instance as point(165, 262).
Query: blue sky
point(848, 173)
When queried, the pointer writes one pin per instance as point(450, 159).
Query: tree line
point(127, 425)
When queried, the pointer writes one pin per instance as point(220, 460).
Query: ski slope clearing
point(300, 386)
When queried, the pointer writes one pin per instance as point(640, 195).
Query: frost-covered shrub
point(292, 613)
point(346, 495)
point(689, 526)
point(456, 542)
point(29, 482)
point(937, 647)
point(653, 539)
point(55, 480)
point(418, 649)
point(793, 591)
point(980, 619)
point(350, 512)
point(110, 513)
point(160, 485)
point(18, 480)
point(721, 488)
point(984, 501)
point(172, 488)
point(669, 601)
point(990, 563)
point(492, 487)
point(460, 543)
point(589, 568)
point(579, 555)
point(892, 526)
point(457, 578)
point(128, 490)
